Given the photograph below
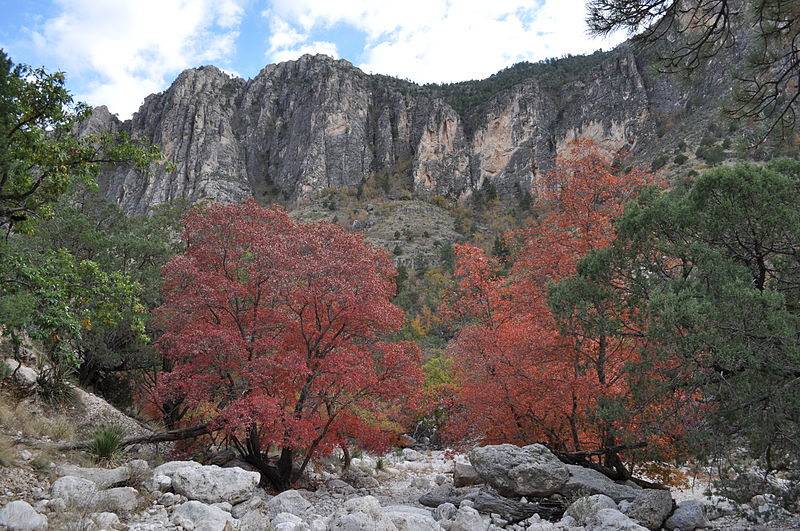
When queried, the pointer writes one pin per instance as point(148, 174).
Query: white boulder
point(201, 517)
point(212, 484)
point(530, 470)
point(19, 515)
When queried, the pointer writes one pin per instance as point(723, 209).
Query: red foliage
point(520, 379)
point(274, 328)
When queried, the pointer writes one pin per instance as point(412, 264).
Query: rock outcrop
point(301, 126)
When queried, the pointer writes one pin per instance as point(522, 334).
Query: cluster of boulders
point(502, 487)
point(531, 479)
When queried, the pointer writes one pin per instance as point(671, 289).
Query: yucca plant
point(106, 442)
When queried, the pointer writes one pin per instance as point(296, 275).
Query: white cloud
point(444, 40)
point(130, 49)
point(323, 47)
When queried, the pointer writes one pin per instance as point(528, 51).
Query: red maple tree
point(522, 376)
point(275, 330)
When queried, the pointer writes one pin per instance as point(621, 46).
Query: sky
point(116, 52)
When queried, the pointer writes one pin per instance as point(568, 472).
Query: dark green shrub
point(105, 443)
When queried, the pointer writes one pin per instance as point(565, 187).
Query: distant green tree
point(711, 281)
point(91, 228)
point(50, 293)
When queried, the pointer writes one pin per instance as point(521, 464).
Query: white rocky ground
point(377, 493)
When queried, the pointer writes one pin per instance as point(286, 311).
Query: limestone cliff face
point(316, 123)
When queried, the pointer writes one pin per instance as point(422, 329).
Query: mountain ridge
point(302, 126)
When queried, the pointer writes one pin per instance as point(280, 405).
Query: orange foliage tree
point(275, 331)
point(525, 373)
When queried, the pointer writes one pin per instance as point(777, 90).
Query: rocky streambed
point(504, 487)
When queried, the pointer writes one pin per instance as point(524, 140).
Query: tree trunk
point(487, 501)
point(167, 436)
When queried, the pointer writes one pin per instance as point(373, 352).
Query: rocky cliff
point(302, 126)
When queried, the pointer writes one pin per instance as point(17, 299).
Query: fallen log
point(488, 501)
point(166, 436)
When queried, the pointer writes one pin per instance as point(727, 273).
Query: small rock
point(245, 507)
point(118, 500)
point(468, 519)
point(197, 513)
point(74, 491)
point(106, 520)
point(612, 520)
point(688, 516)
point(289, 501)
point(19, 515)
point(138, 470)
point(445, 511)
point(465, 475)
point(650, 508)
point(168, 499)
point(169, 468)
point(25, 455)
point(288, 522)
point(339, 486)
point(22, 374)
point(410, 521)
point(719, 506)
point(409, 454)
point(362, 513)
point(253, 521)
point(584, 509)
point(102, 477)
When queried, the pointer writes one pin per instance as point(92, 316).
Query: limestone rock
point(201, 516)
point(168, 499)
point(689, 515)
point(468, 519)
point(288, 501)
point(361, 514)
point(586, 508)
point(412, 521)
point(245, 507)
point(19, 515)
point(157, 484)
point(74, 490)
point(106, 520)
point(169, 468)
point(527, 471)
point(288, 522)
point(650, 508)
point(139, 471)
point(409, 454)
point(408, 509)
point(465, 475)
point(587, 481)
point(445, 511)
point(611, 520)
point(254, 520)
point(212, 484)
point(22, 374)
point(102, 477)
point(118, 500)
point(340, 487)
